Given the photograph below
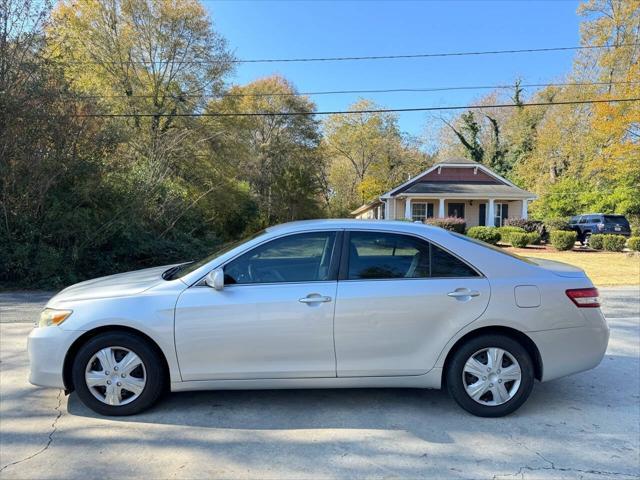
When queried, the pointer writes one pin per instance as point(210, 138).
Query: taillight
point(584, 297)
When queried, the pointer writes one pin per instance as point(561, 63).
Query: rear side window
point(381, 255)
point(613, 219)
point(443, 264)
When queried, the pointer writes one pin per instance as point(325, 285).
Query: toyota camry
point(325, 304)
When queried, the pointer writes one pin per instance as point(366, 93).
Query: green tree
point(367, 154)
point(278, 156)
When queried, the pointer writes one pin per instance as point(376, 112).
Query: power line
point(432, 55)
point(341, 92)
point(346, 112)
point(359, 58)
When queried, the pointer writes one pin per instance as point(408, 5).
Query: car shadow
point(376, 408)
point(412, 410)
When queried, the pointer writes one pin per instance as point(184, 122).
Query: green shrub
point(518, 239)
point(634, 243)
point(505, 233)
point(453, 224)
point(526, 224)
point(595, 241)
point(562, 239)
point(557, 224)
point(613, 243)
point(533, 238)
point(486, 234)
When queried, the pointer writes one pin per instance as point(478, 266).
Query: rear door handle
point(463, 293)
point(314, 298)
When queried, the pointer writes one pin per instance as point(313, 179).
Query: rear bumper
point(570, 350)
point(47, 348)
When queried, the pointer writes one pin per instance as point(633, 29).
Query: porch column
point(525, 208)
point(407, 208)
point(441, 208)
point(491, 214)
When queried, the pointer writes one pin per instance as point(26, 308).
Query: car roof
point(351, 223)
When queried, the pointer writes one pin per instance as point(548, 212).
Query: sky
point(293, 29)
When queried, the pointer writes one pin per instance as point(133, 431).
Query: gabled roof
point(416, 183)
point(467, 188)
point(366, 206)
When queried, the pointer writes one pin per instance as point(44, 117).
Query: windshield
point(493, 247)
point(186, 268)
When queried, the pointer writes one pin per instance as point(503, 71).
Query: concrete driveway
point(584, 426)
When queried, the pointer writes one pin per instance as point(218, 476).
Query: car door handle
point(315, 298)
point(464, 293)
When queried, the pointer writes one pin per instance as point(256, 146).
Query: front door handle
point(460, 293)
point(315, 298)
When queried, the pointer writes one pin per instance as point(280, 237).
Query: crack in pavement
point(552, 467)
point(54, 428)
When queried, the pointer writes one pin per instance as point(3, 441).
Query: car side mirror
point(215, 279)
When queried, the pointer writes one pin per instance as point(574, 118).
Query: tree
point(277, 155)
point(367, 156)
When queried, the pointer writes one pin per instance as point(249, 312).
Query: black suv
point(592, 223)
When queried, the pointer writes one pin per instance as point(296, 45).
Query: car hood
point(119, 285)
point(558, 268)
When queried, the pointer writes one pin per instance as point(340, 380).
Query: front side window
point(304, 257)
point(380, 255)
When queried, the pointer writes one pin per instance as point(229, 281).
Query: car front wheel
point(490, 375)
point(117, 373)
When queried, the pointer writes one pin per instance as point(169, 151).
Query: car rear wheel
point(118, 374)
point(490, 375)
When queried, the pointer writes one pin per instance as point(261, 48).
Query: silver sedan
point(325, 304)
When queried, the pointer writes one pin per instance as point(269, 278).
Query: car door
point(400, 300)
point(272, 319)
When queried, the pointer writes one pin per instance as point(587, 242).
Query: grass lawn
point(605, 269)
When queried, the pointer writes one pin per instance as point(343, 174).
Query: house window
point(456, 210)
point(501, 213)
point(420, 211)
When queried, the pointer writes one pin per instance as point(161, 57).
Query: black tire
point(454, 375)
point(154, 370)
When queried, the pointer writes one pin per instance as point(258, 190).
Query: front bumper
point(47, 348)
point(570, 350)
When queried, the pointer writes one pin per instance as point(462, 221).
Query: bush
point(453, 224)
point(505, 233)
point(486, 234)
point(634, 243)
point(613, 243)
point(562, 239)
point(557, 224)
point(518, 239)
point(595, 241)
point(533, 238)
point(526, 224)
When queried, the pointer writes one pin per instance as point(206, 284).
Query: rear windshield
point(492, 247)
point(619, 219)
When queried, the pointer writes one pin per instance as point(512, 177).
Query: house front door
point(455, 210)
point(482, 220)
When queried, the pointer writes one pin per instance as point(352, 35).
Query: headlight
point(49, 317)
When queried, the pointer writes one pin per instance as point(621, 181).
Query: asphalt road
point(584, 426)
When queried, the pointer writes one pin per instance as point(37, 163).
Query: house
point(455, 187)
